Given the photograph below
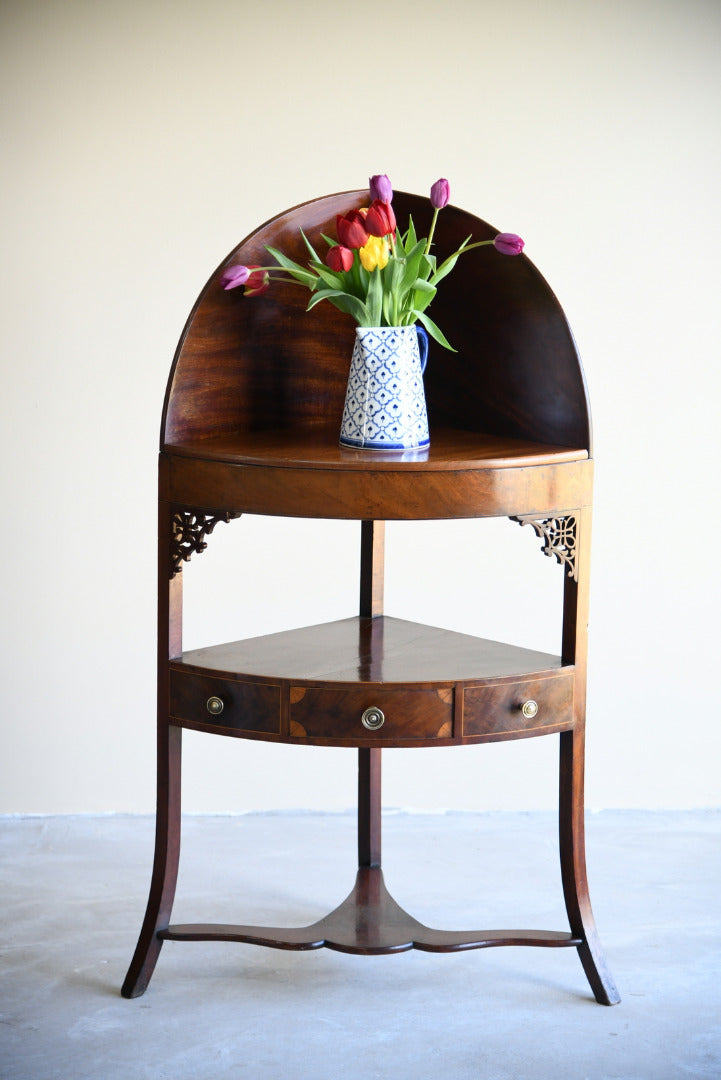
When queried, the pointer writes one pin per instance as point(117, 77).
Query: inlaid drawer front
point(526, 705)
point(224, 703)
point(360, 715)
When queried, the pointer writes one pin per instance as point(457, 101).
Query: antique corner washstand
point(250, 426)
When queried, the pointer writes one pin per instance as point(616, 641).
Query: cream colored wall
point(142, 141)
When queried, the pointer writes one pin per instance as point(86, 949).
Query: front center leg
point(369, 806)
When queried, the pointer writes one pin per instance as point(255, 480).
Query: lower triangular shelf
point(368, 922)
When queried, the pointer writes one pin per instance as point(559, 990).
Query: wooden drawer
point(246, 706)
point(498, 708)
point(318, 712)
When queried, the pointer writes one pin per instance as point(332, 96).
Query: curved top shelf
point(317, 447)
point(249, 366)
point(305, 473)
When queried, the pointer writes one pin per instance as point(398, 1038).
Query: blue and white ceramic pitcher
point(385, 404)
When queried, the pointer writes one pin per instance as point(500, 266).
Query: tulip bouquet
point(373, 271)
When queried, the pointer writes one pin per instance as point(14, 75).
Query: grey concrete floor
point(74, 891)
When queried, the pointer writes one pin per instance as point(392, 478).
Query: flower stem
point(478, 243)
point(432, 230)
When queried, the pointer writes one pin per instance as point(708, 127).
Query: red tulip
point(351, 229)
point(234, 276)
point(258, 281)
point(508, 243)
point(380, 219)
point(339, 258)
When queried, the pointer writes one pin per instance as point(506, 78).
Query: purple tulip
point(440, 194)
point(508, 243)
point(381, 188)
point(234, 276)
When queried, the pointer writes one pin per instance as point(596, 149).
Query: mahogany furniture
point(250, 426)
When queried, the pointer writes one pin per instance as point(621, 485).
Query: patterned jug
point(385, 404)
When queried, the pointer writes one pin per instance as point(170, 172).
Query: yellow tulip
point(374, 253)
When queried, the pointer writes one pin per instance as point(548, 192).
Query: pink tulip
point(234, 276)
point(381, 188)
point(440, 194)
point(339, 258)
point(508, 243)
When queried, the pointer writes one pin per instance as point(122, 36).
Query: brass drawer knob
point(373, 718)
point(529, 709)
point(215, 705)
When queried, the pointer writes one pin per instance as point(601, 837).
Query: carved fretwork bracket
point(188, 531)
point(559, 538)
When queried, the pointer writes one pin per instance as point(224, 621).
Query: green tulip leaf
point(332, 279)
point(444, 269)
point(393, 275)
point(309, 246)
point(351, 305)
point(427, 266)
point(423, 293)
point(433, 330)
point(424, 286)
point(421, 301)
point(447, 266)
point(413, 261)
point(374, 299)
point(300, 273)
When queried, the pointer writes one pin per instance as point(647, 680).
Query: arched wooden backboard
point(261, 363)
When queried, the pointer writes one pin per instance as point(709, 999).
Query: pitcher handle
point(422, 347)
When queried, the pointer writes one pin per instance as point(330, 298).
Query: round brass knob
point(529, 709)
point(373, 718)
point(215, 705)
